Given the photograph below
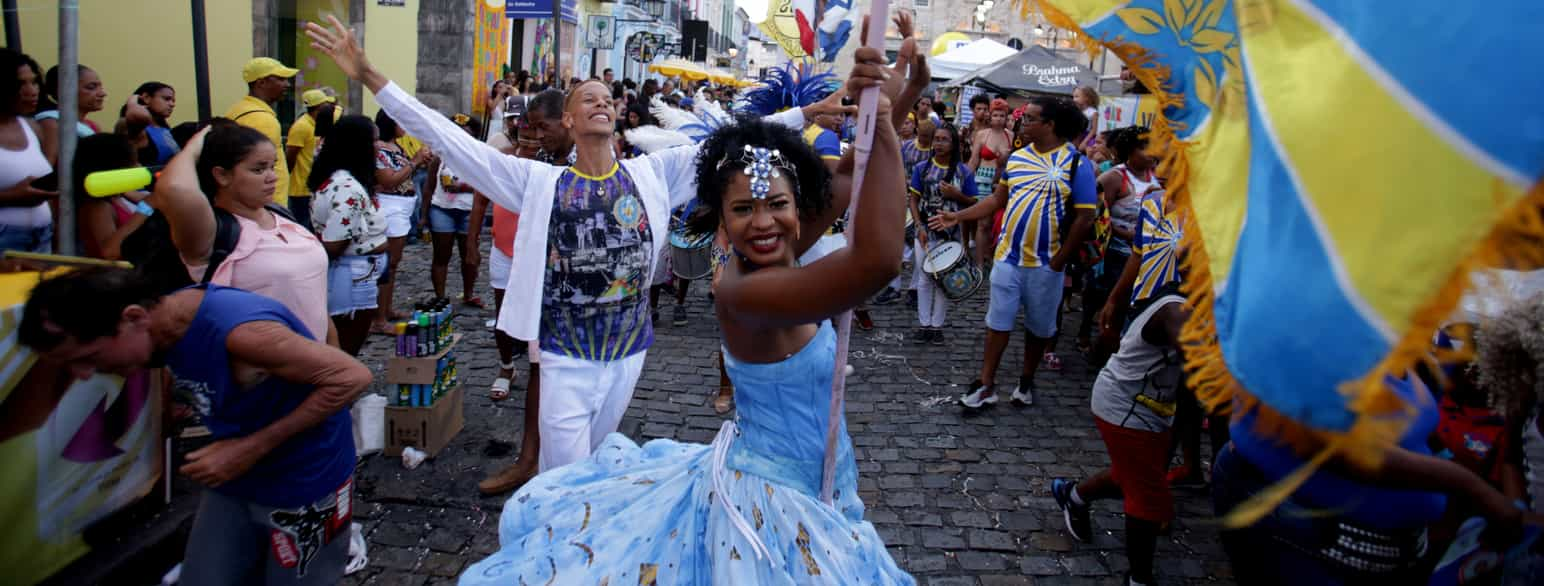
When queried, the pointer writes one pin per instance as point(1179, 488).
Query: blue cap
point(687, 102)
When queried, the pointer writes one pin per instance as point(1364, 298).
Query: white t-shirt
point(446, 199)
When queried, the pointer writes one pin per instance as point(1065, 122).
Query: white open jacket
point(665, 180)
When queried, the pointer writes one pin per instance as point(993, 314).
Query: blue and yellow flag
point(1339, 166)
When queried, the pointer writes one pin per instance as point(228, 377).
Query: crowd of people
point(264, 262)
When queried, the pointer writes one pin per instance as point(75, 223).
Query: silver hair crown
point(762, 165)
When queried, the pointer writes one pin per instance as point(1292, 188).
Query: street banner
point(528, 8)
point(74, 451)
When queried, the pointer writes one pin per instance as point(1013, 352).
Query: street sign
point(528, 8)
point(602, 32)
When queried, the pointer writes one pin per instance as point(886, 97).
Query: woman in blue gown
point(746, 509)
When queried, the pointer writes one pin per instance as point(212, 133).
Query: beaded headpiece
point(762, 165)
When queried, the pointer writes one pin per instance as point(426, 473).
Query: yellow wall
point(129, 42)
point(391, 43)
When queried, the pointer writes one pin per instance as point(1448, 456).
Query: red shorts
point(1139, 462)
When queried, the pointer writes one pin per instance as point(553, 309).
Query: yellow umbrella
point(679, 68)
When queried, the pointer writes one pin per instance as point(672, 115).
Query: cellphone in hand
point(49, 182)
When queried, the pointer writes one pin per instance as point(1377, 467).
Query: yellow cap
point(262, 67)
point(401, 328)
point(314, 98)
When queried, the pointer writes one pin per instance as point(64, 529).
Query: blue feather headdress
point(789, 86)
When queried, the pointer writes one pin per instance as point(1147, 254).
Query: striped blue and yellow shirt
point(1041, 188)
point(1157, 241)
point(827, 144)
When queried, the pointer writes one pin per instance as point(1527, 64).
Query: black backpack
point(153, 254)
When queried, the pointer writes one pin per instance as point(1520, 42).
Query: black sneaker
point(1075, 516)
point(886, 297)
point(678, 316)
point(937, 337)
point(921, 336)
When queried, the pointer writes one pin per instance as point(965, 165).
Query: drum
point(691, 256)
point(950, 268)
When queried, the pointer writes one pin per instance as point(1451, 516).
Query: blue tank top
point(1379, 508)
point(302, 470)
point(165, 145)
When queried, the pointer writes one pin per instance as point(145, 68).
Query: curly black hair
point(1066, 119)
point(1126, 141)
point(812, 182)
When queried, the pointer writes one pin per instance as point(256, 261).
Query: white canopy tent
point(968, 58)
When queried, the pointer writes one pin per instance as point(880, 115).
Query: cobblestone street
point(958, 499)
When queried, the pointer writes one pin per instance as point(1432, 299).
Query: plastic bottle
point(404, 395)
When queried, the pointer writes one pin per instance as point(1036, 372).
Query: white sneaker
point(1023, 395)
point(979, 396)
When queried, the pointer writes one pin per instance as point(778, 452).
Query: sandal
point(500, 388)
point(473, 301)
point(383, 328)
point(1052, 362)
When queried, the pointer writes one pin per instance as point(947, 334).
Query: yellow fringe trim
point(1516, 241)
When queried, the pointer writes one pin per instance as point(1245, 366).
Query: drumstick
point(868, 106)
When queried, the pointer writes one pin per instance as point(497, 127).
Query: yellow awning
point(680, 69)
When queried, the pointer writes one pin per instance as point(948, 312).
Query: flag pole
point(868, 107)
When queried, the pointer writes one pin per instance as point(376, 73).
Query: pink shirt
point(286, 264)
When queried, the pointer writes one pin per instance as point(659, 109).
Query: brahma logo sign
point(1052, 76)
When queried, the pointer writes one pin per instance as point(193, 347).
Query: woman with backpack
point(217, 198)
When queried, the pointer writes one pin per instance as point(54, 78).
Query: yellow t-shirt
point(303, 135)
point(258, 115)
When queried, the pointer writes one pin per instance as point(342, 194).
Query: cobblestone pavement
point(959, 500)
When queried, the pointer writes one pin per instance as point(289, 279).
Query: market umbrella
point(1034, 70)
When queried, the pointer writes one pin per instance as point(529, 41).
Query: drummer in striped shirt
point(941, 183)
point(1049, 192)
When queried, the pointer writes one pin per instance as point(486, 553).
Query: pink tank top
point(286, 264)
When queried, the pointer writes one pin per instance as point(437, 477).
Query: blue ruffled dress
point(654, 514)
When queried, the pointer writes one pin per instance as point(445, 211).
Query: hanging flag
point(836, 25)
point(1378, 158)
point(791, 23)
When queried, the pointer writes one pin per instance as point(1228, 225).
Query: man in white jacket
point(588, 310)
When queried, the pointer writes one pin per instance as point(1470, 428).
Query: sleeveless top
point(1125, 212)
point(299, 471)
point(1139, 369)
point(781, 412)
point(18, 165)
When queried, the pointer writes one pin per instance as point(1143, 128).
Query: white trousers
point(581, 402)
point(932, 304)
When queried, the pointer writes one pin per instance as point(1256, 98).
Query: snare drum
point(950, 268)
point(691, 256)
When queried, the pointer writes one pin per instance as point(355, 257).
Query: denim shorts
point(1037, 290)
point(443, 220)
point(39, 239)
point(352, 283)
